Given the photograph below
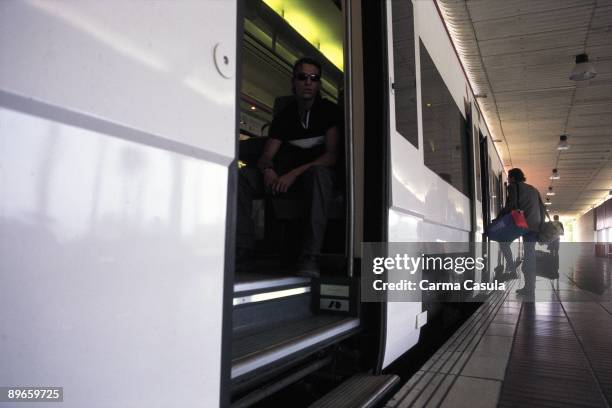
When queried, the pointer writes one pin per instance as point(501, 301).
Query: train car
point(124, 132)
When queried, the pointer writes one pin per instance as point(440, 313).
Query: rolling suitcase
point(547, 265)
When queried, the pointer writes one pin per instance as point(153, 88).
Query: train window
point(445, 142)
point(404, 82)
point(496, 194)
point(477, 137)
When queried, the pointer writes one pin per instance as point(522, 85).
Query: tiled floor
point(556, 351)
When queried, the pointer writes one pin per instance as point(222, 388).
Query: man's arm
point(511, 199)
point(270, 149)
point(326, 159)
point(266, 161)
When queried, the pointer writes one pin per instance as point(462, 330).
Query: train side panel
point(117, 128)
point(425, 207)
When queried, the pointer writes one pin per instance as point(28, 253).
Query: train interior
point(271, 44)
point(284, 323)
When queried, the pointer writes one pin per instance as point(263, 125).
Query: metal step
point(256, 351)
point(257, 282)
point(277, 384)
point(359, 391)
point(264, 301)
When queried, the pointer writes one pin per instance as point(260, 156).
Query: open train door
point(117, 147)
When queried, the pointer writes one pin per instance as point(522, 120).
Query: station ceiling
point(520, 53)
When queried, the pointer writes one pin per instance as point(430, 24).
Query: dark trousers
point(529, 258)
point(315, 186)
point(554, 246)
point(529, 261)
point(507, 251)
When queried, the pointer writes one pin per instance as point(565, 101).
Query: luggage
point(547, 265)
point(508, 227)
point(548, 232)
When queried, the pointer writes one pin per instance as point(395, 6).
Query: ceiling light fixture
point(550, 192)
point(563, 144)
point(583, 70)
point(547, 202)
point(555, 175)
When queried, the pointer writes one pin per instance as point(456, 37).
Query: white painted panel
point(116, 129)
point(440, 233)
point(143, 64)
point(110, 285)
point(415, 188)
point(425, 207)
point(401, 334)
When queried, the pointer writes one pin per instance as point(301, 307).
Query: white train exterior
point(118, 140)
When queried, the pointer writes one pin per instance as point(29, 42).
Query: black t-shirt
point(303, 141)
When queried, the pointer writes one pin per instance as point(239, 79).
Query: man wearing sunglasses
point(298, 158)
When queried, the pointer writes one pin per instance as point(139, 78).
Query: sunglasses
point(302, 77)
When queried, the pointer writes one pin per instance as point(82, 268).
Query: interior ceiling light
point(547, 202)
point(305, 18)
point(563, 144)
point(555, 175)
point(583, 70)
point(550, 192)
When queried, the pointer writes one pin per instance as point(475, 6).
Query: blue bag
point(508, 227)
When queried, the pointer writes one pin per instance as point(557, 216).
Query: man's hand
point(284, 182)
point(270, 178)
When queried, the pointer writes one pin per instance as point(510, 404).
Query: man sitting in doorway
point(297, 157)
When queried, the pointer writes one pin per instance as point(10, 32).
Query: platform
point(513, 352)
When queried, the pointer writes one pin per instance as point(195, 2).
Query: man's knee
point(248, 179)
point(319, 173)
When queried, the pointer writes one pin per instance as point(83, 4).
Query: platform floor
point(552, 352)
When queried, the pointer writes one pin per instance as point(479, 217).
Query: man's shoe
point(307, 267)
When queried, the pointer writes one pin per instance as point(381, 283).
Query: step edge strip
point(263, 296)
point(303, 342)
point(270, 283)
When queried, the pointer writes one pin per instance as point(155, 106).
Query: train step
point(277, 324)
point(359, 391)
point(262, 301)
point(273, 346)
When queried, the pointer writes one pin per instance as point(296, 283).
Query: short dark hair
point(306, 60)
point(517, 174)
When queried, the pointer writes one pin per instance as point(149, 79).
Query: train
point(124, 128)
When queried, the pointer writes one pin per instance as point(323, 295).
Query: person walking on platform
point(525, 197)
point(554, 244)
